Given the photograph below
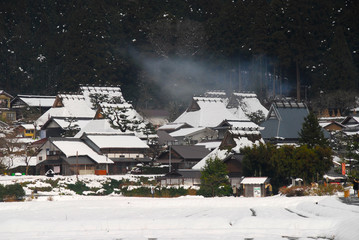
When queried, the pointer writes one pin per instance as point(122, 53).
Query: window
point(4, 103)
point(10, 116)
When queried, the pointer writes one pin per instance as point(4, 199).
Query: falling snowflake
point(41, 58)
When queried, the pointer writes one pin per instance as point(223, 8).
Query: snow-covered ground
point(192, 217)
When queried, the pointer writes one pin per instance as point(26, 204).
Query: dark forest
point(164, 51)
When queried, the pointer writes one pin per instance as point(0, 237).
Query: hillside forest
point(161, 52)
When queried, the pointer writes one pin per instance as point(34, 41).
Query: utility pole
point(77, 165)
point(169, 159)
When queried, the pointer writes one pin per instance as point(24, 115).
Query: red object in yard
point(100, 172)
point(335, 183)
point(343, 168)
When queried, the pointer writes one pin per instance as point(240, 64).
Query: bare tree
point(10, 148)
point(28, 154)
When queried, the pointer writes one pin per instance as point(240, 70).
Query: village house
point(157, 117)
point(29, 106)
point(243, 124)
point(70, 156)
point(351, 124)
point(206, 112)
point(97, 126)
point(125, 150)
point(229, 150)
point(332, 126)
point(246, 103)
point(6, 113)
point(26, 130)
point(284, 122)
point(164, 138)
point(71, 106)
point(191, 136)
point(182, 156)
point(178, 177)
point(171, 127)
point(62, 126)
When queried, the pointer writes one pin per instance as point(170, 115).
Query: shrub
point(41, 189)
point(329, 189)
point(136, 192)
point(52, 182)
point(192, 192)
point(109, 187)
point(146, 180)
point(171, 192)
point(79, 187)
point(154, 170)
point(13, 192)
point(320, 190)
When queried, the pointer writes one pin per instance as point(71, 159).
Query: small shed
point(255, 186)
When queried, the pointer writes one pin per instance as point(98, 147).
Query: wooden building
point(6, 113)
point(70, 156)
point(183, 156)
point(178, 177)
point(255, 186)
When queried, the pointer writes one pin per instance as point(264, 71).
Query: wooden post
point(77, 165)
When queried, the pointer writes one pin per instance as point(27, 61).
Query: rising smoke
point(182, 78)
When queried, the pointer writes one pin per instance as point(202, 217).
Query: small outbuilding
point(256, 187)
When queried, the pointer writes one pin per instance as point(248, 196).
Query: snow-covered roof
point(245, 142)
point(172, 126)
point(338, 177)
point(37, 101)
point(211, 112)
point(324, 124)
point(216, 93)
point(77, 106)
point(240, 132)
point(117, 141)
point(2, 92)
point(78, 148)
point(223, 153)
point(245, 94)
point(238, 112)
point(63, 123)
point(249, 103)
point(210, 145)
point(28, 126)
point(254, 180)
point(74, 106)
point(97, 126)
point(186, 131)
point(240, 124)
point(18, 161)
point(113, 94)
point(131, 113)
point(134, 118)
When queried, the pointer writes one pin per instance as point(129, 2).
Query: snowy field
point(117, 217)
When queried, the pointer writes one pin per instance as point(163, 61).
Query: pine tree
point(311, 133)
point(214, 179)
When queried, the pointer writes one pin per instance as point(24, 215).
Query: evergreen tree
point(311, 133)
point(214, 179)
